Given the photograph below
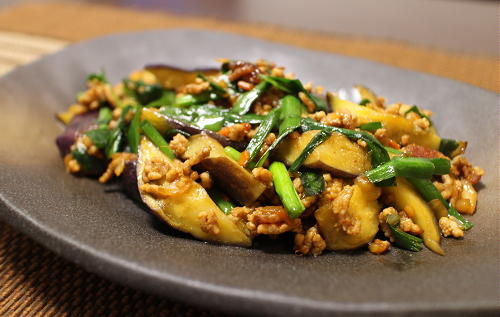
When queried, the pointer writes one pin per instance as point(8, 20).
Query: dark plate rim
point(201, 293)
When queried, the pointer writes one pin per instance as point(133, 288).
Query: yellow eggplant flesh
point(156, 119)
point(366, 93)
point(171, 77)
point(363, 206)
point(337, 154)
point(182, 211)
point(396, 126)
point(404, 195)
point(230, 176)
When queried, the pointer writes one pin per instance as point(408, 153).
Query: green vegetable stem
point(258, 139)
point(290, 111)
point(225, 205)
point(245, 101)
point(157, 139)
point(285, 190)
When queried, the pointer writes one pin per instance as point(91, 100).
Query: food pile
point(246, 150)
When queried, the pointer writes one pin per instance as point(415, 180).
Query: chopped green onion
point(401, 238)
point(405, 240)
point(285, 190)
point(378, 154)
point(232, 153)
point(409, 167)
point(393, 220)
point(215, 87)
point(371, 126)
point(114, 143)
point(290, 107)
point(392, 150)
point(100, 137)
point(105, 115)
point(116, 138)
point(451, 147)
point(294, 86)
point(364, 102)
point(381, 173)
point(89, 164)
point(246, 118)
point(290, 86)
point(189, 100)
point(413, 167)
point(417, 111)
point(98, 76)
point(142, 92)
point(157, 139)
point(313, 183)
point(225, 205)
point(258, 139)
point(290, 110)
point(316, 140)
point(170, 133)
point(245, 101)
point(429, 192)
point(224, 67)
point(167, 98)
point(134, 132)
point(319, 103)
point(442, 166)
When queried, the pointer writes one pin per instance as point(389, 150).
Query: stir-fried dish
point(246, 150)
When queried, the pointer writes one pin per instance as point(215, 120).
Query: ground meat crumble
point(269, 220)
point(335, 119)
point(459, 192)
point(382, 217)
point(205, 180)
point(179, 144)
point(333, 186)
point(208, 222)
point(309, 243)
point(339, 207)
point(406, 224)
point(195, 88)
point(378, 246)
point(244, 71)
point(264, 176)
point(450, 227)
point(461, 168)
point(117, 165)
point(163, 178)
point(236, 132)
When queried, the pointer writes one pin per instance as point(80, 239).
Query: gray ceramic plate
point(100, 229)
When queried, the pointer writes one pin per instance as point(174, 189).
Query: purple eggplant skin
point(128, 181)
point(191, 129)
point(180, 69)
point(172, 77)
point(75, 128)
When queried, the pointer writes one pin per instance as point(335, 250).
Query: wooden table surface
point(457, 25)
point(35, 281)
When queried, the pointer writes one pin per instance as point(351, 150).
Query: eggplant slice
point(337, 154)
point(163, 123)
point(172, 77)
point(78, 125)
point(397, 126)
point(185, 211)
point(234, 179)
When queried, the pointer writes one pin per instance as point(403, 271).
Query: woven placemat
point(36, 282)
